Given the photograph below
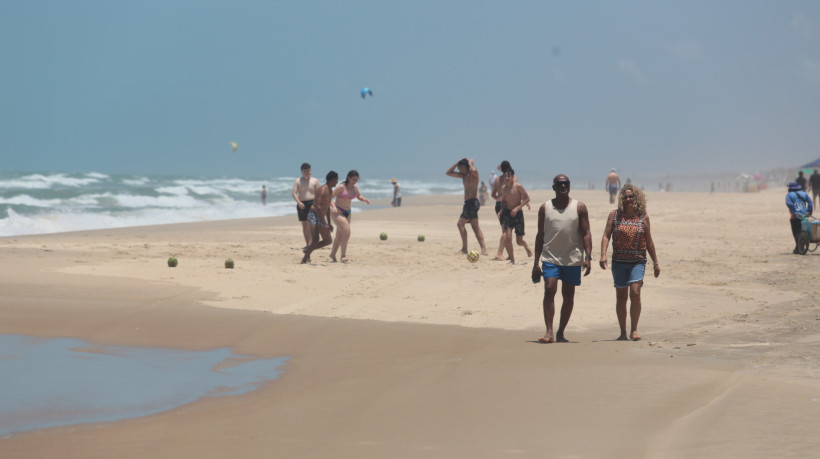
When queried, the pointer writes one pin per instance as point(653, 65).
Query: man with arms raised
point(469, 213)
point(304, 191)
point(319, 217)
point(565, 244)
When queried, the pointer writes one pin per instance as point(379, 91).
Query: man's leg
point(502, 244)
point(306, 231)
point(520, 240)
point(324, 231)
point(478, 235)
point(550, 288)
point(313, 243)
point(462, 230)
point(509, 244)
point(568, 293)
point(796, 229)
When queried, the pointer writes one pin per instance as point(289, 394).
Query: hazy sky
point(649, 87)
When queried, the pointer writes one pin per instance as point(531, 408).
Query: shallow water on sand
point(56, 382)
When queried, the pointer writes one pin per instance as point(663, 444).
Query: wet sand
point(411, 351)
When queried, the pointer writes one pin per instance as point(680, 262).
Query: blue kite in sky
point(366, 91)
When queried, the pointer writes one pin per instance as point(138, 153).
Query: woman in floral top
point(628, 227)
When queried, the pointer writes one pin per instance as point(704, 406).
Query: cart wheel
point(803, 242)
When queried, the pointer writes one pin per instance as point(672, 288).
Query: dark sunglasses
point(561, 183)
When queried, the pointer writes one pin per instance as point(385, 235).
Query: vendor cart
point(810, 234)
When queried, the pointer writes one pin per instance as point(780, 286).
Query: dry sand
point(411, 351)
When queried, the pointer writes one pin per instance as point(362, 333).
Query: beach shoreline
point(410, 349)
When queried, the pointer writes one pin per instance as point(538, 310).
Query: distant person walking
point(566, 248)
point(304, 191)
point(344, 195)
point(800, 206)
point(612, 185)
point(396, 193)
point(319, 216)
point(628, 227)
point(801, 180)
point(468, 174)
point(483, 195)
point(264, 196)
point(814, 186)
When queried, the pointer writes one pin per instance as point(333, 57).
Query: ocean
point(38, 203)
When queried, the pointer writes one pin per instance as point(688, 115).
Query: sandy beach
point(411, 351)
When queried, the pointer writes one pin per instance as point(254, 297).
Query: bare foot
point(622, 337)
point(345, 260)
point(305, 259)
point(462, 252)
point(529, 252)
point(546, 339)
point(497, 259)
point(485, 253)
point(635, 336)
point(333, 258)
point(561, 339)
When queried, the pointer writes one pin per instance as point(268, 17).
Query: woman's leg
point(344, 238)
point(342, 227)
point(621, 295)
point(635, 308)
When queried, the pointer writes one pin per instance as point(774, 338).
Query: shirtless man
point(499, 204)
point(612, 184)
point(469, 176)
point(319, 216)
point(304, 191)
point(512, 216)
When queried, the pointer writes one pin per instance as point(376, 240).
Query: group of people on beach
point(319, 206)
point(565, 242)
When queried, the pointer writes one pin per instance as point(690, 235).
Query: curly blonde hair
point(640, 199)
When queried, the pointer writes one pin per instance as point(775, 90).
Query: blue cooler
point(813, 228)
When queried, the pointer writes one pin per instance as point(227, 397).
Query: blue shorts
point(627, 273)
point(568, 274)
point(613, 189)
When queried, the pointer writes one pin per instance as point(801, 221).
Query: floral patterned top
point(628, 240)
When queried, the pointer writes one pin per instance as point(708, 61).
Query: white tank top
point(563, 244)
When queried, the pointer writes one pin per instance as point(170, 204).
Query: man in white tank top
point(565, 243)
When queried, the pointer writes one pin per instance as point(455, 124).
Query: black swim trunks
point(302, 213)
point(498, 206)
point(470, 209)
point(516, 223)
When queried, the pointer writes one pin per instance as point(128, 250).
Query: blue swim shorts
point(626, 273)
point(568, 274)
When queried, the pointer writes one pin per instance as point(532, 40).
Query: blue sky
point(649, 87)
